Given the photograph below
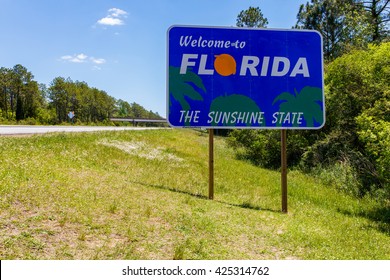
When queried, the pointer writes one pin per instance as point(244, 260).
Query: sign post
point(283, 154)
point(245, 78)
point(211, 163)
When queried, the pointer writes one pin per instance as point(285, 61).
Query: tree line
point(352, 150)
point(25, 100)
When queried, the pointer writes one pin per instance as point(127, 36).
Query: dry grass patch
point(142, 150)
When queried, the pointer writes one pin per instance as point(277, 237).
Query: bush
point(375, 135)
point(358, 126)
point(46, 116)
point(262, 147)
point(28, 121)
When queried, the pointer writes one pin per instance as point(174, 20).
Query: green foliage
point(20, 95)
point(46, 115)
point(378, 16)
point(374, 133)
point(354, 82)
point(345, 25)
point(252, 17)
point(260, 147)
point(337, 164)
point(358, 112)
point(88, 104)
point(327, 17)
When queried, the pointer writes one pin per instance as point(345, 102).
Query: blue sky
point(118, 46)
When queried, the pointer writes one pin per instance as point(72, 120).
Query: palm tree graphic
point(308, 101)
point(184, 86)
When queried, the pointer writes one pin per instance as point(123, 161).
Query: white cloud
point(82, 58)
point(66, 57)
point(110, 21)
point(115, 17)
point(77, 58)
point(115, 12)
point(98, 60)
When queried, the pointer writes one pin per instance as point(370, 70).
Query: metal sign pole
point(284, 169)
point(211, 163)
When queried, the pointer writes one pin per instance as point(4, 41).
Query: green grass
point(143, 195)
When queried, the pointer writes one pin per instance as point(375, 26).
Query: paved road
point(37, 129)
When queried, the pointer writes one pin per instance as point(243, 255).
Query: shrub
point(358, 126)
point(375, 135)
point(262, 147)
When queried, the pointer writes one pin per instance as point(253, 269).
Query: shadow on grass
point(245, 205)
point(379, 216)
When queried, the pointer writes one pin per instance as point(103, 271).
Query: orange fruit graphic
point(225, 64)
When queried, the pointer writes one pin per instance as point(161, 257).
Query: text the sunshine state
point(236, 117)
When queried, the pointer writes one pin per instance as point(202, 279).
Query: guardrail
point(135, 121)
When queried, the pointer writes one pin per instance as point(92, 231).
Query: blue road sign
point(244, 78)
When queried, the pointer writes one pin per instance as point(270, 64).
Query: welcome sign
point(244, 78)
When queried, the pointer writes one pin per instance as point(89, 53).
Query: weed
point(179, 251)
point(113, 208)
point(81, 236)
